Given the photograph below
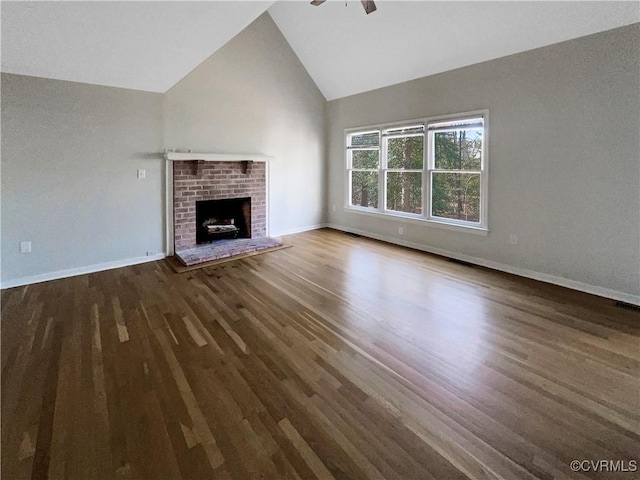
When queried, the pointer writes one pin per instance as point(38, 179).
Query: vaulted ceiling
point(152, 45)
point(140, 45)
point(348, 52)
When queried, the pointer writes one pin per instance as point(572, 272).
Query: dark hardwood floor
point(337, 358)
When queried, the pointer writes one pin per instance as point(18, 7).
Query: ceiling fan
point(369, 5)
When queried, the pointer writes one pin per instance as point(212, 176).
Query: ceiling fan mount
point(369, 5)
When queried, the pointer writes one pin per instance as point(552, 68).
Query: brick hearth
point(194, 181)
point(226, 248)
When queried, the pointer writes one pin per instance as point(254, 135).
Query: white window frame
point(349, 156)
point(384, 164)
point(425, 217)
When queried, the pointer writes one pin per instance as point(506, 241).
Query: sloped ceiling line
point(152, 45)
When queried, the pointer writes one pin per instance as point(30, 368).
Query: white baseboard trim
point(302, 229)
point(72, 272)
point(522, 272)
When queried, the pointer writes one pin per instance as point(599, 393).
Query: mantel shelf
point(216, 157)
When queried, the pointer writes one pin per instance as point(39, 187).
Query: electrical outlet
point(333, 207)
point(513, 239)
point(142, 173)
point(151, 253)
point(25, 247)
point(400, 231)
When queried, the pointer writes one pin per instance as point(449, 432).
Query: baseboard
point(302, 229)
point(18, 282)
point(522, 272)
point(72, 272)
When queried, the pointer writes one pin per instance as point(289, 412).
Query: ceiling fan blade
point(369, 6)
point(317, 2)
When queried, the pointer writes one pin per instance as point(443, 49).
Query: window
point(364, 166)
point(404, 158)
point(455, 169)
point(391, 172)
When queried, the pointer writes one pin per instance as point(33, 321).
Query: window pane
point(364, 189)
point(365, 158)
point(371, 139)
point(404, 192)
point(405, 152)
point(458, 149)
point(456, 196)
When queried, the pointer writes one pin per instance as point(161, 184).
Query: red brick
point(214, 181)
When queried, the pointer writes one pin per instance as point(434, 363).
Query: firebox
point(224, 219)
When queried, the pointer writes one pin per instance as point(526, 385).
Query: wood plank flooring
point(339, 358)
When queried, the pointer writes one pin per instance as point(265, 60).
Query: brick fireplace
point(195, 181)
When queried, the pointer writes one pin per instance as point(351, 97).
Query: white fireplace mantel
point(216, 157)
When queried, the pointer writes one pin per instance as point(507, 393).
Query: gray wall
point(564, 160)
point(254, 96)
point(70, 153)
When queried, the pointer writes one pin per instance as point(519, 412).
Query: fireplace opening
point(224, 219)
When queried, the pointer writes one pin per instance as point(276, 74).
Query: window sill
point(417, 220)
